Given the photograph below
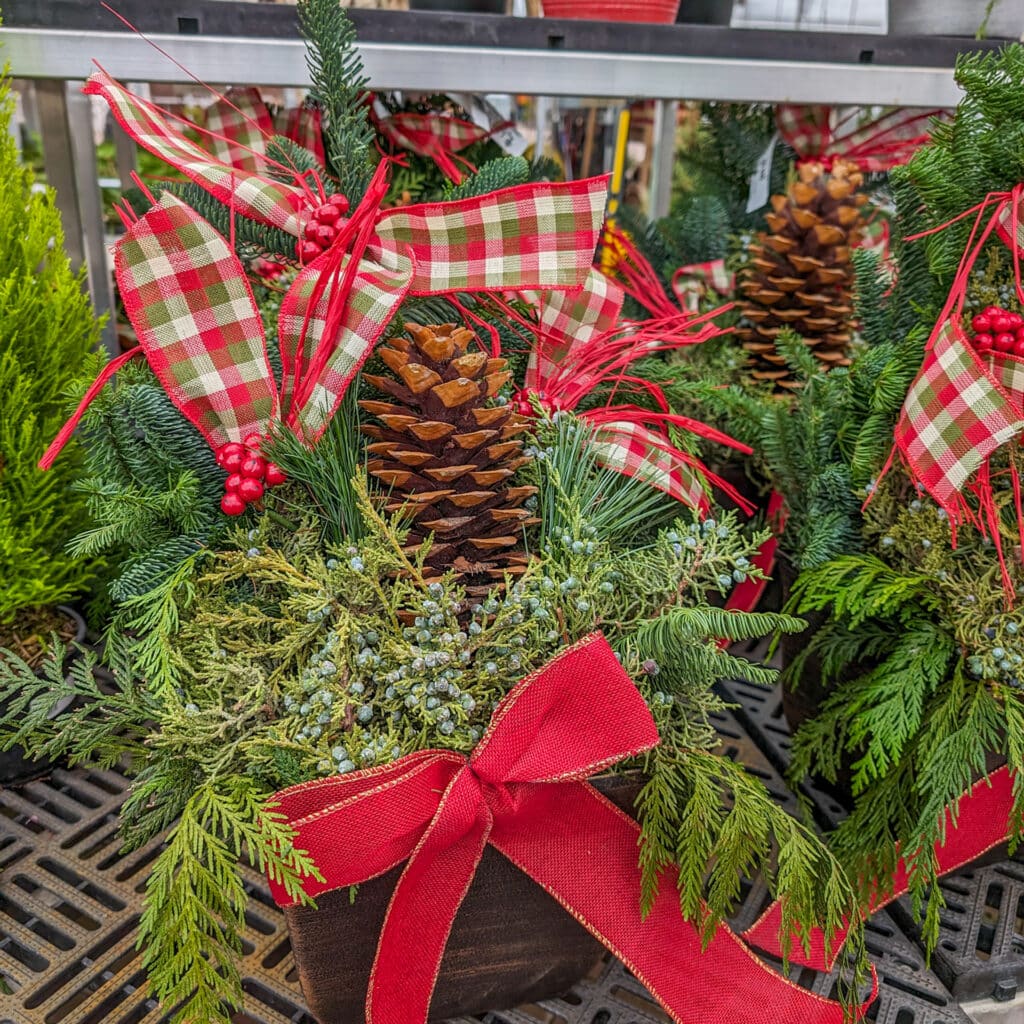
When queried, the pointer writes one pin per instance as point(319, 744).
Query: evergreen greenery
point(339, 85)
point(47, 337)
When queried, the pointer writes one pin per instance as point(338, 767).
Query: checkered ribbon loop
point(578, 343)
point(438, 137)
point(696, 281)
point(961, 408)
point(239, 125)
point(821, 133)
point(252, 194)
point(188, 299)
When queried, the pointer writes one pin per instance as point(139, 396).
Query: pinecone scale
point(799, 274)
point(446, 458)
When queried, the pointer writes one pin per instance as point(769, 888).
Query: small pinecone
point(799, 274)
point(447, 457)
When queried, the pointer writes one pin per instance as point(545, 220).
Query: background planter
point(955, 18)
point(662, 12)
point(511, 943)
point(15, 768)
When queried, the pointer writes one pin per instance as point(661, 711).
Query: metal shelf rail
point(55, 41)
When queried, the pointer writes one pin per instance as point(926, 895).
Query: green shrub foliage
point(47, 336)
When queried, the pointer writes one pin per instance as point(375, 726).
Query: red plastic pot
point(662, 12)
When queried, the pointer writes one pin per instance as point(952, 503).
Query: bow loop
point(546, 729)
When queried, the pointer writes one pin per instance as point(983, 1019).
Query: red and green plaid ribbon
point(400, 261)
point(239, 125)
point(257, 196)
point(304, 126)
point(188, 299)
point(187, 295)
point(956, 414)
point(696, 280)
point(439, 137)
point(817, 132)
point(637, 451)
point(580, 343)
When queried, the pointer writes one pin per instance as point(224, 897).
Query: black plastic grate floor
point(980, 954)
point(69, 906)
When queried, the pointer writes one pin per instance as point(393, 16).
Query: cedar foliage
point(47, 336)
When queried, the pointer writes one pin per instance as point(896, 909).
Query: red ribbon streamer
point(524, 791)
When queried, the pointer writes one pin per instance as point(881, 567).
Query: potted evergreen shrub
point(333, 576)
point(47, 338)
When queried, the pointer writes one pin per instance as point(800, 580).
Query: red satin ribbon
point(523, 790)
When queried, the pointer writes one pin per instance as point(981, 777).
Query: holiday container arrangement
point(47, 333)
point(914, 580)
point(396, 579)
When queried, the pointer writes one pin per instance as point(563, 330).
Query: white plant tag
point(760, 180)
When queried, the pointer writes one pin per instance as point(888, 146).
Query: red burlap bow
point(821, 133)
point(523, 790)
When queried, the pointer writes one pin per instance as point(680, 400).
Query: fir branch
point(492, 176)
point(327, 470)
point(339, 84)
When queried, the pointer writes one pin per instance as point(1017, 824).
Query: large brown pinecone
point(799, 273)
point(448, 456)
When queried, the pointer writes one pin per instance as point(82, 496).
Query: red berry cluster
point(322, 228)
point(998, 330)
point(249, 474)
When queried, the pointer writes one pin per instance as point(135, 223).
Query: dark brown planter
point(511, 943)
point(15, 768)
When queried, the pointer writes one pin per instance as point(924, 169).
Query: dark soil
point(29, 634)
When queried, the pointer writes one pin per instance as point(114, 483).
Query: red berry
point(232, 483)
point(253, 467)
point(307, 251)
point(250, 490)
point(1000, 324)
point(992, 310)
point(325, 235)
point(231, 504)
point(275, 475)
point(311, 228)
point(340, 201)
point(328, 213)
point(982, 323)
point(233, 460)
point(1018, 349)
point(1004, 342)
point(253, 442)
point(228, 449)
point(983, 342)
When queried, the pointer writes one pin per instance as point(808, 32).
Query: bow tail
point(582, 850)
point(424, 904)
